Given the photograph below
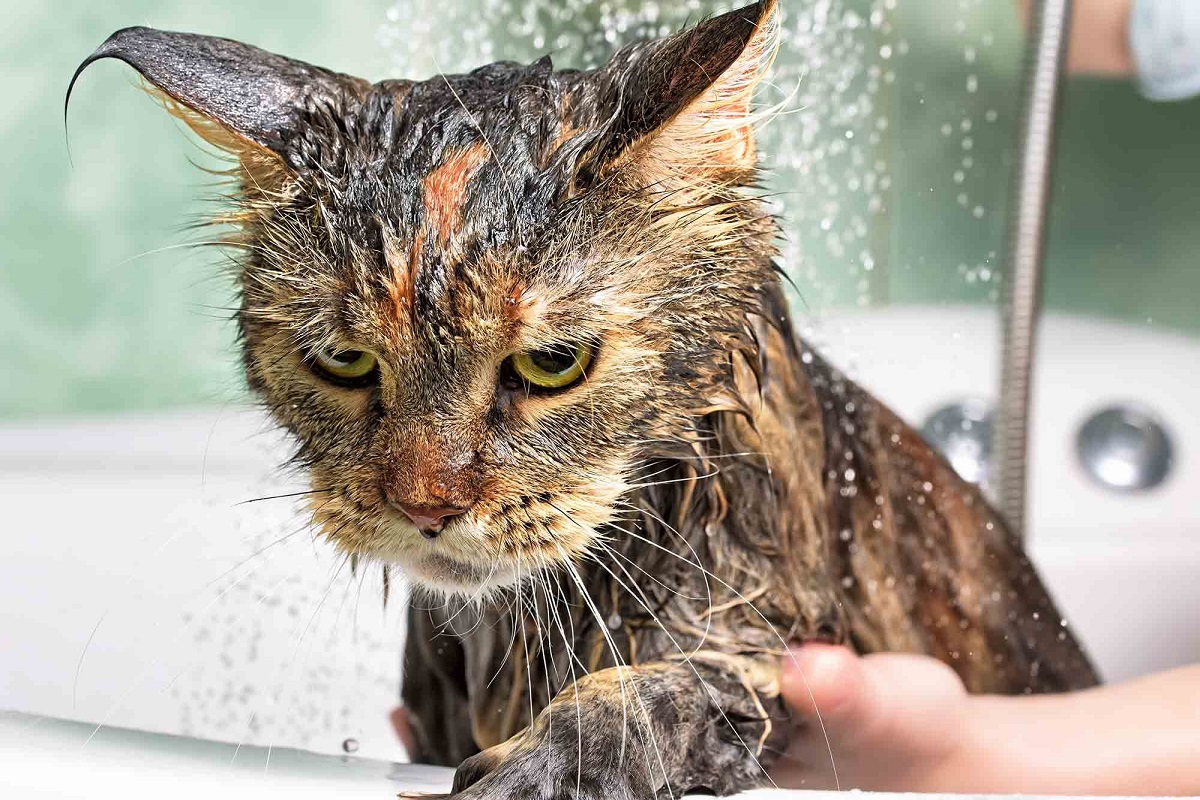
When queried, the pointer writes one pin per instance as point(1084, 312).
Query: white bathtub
point(121, 533)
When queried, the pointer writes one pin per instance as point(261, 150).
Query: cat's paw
point(524, 769)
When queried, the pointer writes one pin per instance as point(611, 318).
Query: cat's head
point(482, 302)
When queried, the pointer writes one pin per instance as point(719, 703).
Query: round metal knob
point(963, 433)
point(1124, 448)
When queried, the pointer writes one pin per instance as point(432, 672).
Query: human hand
point(905, 723)
point(891, 721)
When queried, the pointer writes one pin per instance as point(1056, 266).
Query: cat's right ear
point(239, 98)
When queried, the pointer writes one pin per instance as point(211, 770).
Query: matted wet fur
point(611, 546)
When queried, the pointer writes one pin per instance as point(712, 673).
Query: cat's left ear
point(687, 100)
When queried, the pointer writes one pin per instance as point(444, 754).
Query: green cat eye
point(553, 368)
point(346, 367)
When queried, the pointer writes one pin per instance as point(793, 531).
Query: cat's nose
point(429, 519)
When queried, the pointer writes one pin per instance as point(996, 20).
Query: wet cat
point(527, 329)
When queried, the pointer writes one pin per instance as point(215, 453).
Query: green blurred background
point(102, 310)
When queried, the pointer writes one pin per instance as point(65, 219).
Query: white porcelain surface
point(45, 759)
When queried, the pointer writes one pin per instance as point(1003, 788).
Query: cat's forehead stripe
point(445, 189)
point(404, 272)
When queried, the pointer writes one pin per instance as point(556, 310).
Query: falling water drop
point(350, 745)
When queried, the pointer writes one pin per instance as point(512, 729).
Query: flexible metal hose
point(1046, 56)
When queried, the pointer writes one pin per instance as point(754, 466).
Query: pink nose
point(429, 519)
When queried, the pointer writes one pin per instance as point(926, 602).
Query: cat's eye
point(553, 368)
point(353, 368)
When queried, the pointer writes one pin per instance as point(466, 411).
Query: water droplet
point(615, 621)
point(350, 745)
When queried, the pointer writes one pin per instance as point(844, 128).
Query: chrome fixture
point(962, 432)
point(1124, 448)
point(1046, 53)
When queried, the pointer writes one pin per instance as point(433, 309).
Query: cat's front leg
point(638, 733)
point(435, 693)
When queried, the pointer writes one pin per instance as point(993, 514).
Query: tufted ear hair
point(239, 98)
point(686, 100)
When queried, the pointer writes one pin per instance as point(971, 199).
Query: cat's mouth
point(457, 561)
